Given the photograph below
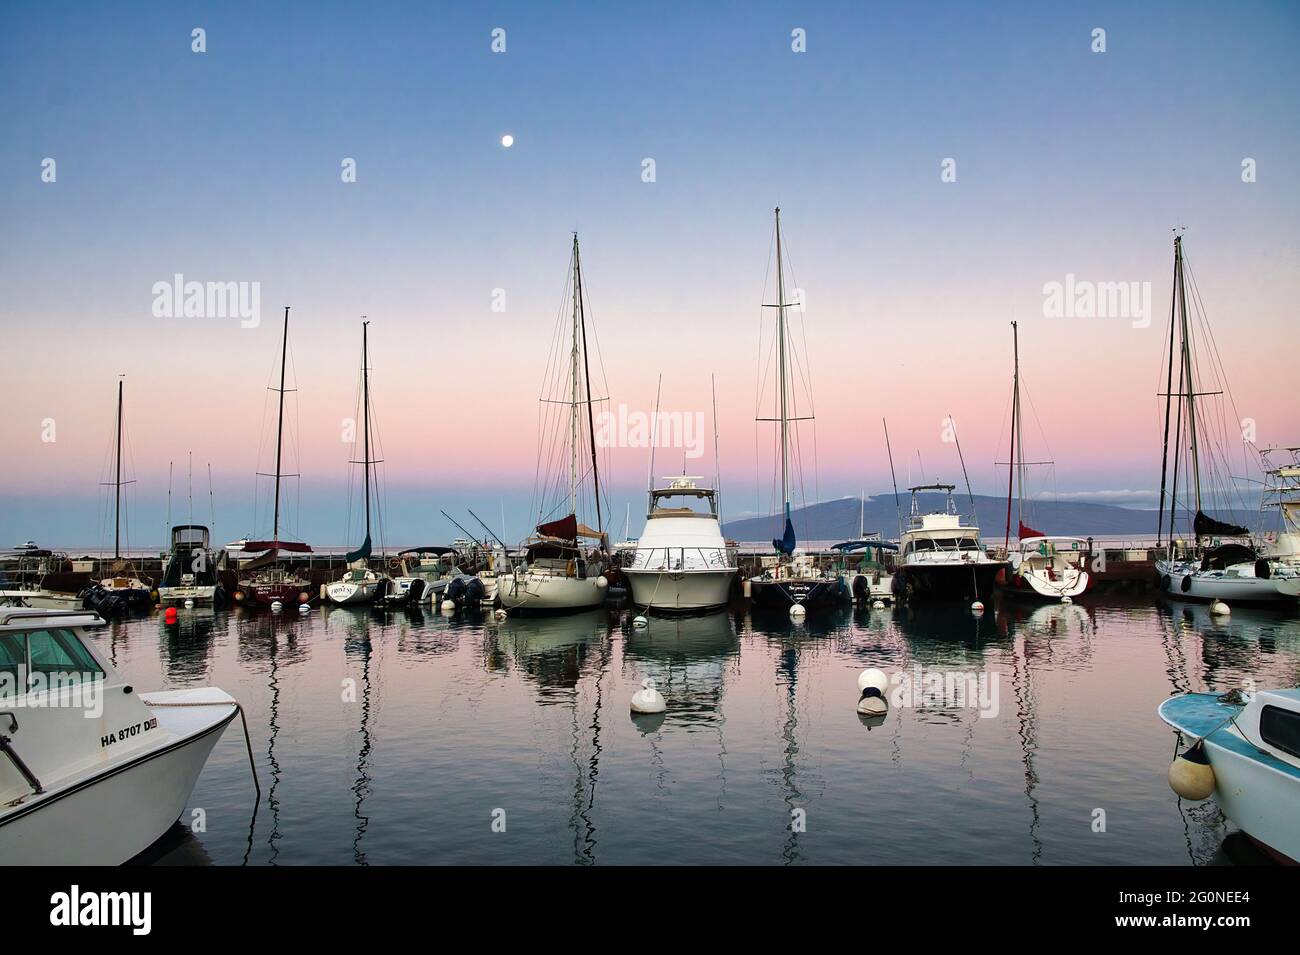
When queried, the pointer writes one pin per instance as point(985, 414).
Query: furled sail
point(566, 528)
point(361, 553)
point(1027, 532)
point(785, 545)
point(1206, 526)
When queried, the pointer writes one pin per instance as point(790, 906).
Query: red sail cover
point(1027, 532)
point(566, 528)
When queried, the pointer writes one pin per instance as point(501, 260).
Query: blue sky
point(225, 165)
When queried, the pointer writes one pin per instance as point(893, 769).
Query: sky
point(936, 164)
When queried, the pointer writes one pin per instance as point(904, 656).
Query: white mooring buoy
point(797, 610)
point(1220, 609)
point(1067, 599)
point(977, 606)
point(648, 699)
point(276, 606)
point(1191, 775)
point(640, 622)
point(872, 684)
point(189, 604)
point(878, 605)
point(447, 606)
point(499, 614)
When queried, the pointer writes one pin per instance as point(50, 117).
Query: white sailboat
point(681, 561)
point(1208, 568)
point(791, 580)
point(124, 587)
point(91, 791)
point(1043, 566)
point(361, 584)
point(555, 571)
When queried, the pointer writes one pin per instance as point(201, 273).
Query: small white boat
point(942, 556)
point(422, 576)
point(681, 561)
point(553, 576)
point(1252, 743)
point(361, 584)
point(25, 547)
point(1049, 568)
point(91, 791)
point(40, 598)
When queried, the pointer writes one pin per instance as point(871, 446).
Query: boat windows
point(1280, 728)
point(58, 651)
point(12, 658)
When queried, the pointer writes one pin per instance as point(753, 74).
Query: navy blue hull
point(811, 593)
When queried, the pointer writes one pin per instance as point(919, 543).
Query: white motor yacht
point(681, 561)
point(91, 773)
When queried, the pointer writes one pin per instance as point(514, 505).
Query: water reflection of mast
point(1026, 716)
point(584, 830)
point(788, 667)
point(361, 789)
point(273, 724)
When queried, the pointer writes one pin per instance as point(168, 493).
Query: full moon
point(507, 140)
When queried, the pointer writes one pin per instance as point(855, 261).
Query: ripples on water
point(394, 738)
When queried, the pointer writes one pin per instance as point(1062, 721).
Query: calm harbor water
point(453, 719)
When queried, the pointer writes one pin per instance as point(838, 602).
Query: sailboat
point(792, 581)
point(1044, 567)
point(1282, 491)
point(124, 588)
point(555, 573)
point(267, 581)
point(361, 584)
point(1209, 569)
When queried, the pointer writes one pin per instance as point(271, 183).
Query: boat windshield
point(673, 503)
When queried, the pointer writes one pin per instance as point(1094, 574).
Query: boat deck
point(1199, 715)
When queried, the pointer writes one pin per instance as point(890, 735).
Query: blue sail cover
point(361, 553)
point(786, 544)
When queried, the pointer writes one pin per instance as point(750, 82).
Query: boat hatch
point(1280, 728)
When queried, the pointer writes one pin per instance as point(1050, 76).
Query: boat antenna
point(898, 514)
point(169, 494)
point(190, 490)
point(279, 428)
point(212, 503)
point(482, 544)
point(717, 466)
point(1169, 398)
point(486, 528)
point(654, 437)
point(964, 475)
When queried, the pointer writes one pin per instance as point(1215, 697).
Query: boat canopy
point(847, 546)
point(189, 535)
point(567, 529)
point(438, 549)
point(1227, 555)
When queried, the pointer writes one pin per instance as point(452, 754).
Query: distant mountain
point(838, 520)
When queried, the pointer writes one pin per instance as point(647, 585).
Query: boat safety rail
point(674, 559)
point(248, 741)
point(6, 747)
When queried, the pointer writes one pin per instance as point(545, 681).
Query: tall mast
point(1015, 410)
point(780, 337)
point(586, 367)
point(1020, 435)
point(117, 500)
point(365, 410)
point(573, 391)
point(1189, 381)
point(1169, 400)
point(279, 430)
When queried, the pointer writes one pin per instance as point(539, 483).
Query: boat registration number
point(127, 732)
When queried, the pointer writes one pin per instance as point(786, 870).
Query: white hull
point(682, 590)
point(351, 592)
point(202, 596)
point(1258, 798)
point(40, 599)
point(1236, 583)
point(1072, 585)
point(112, 817)
point(538, 593)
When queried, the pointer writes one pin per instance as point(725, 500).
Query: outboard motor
point(861, 588)
point(474, 591)
point(455, 591)
point(415, 592)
